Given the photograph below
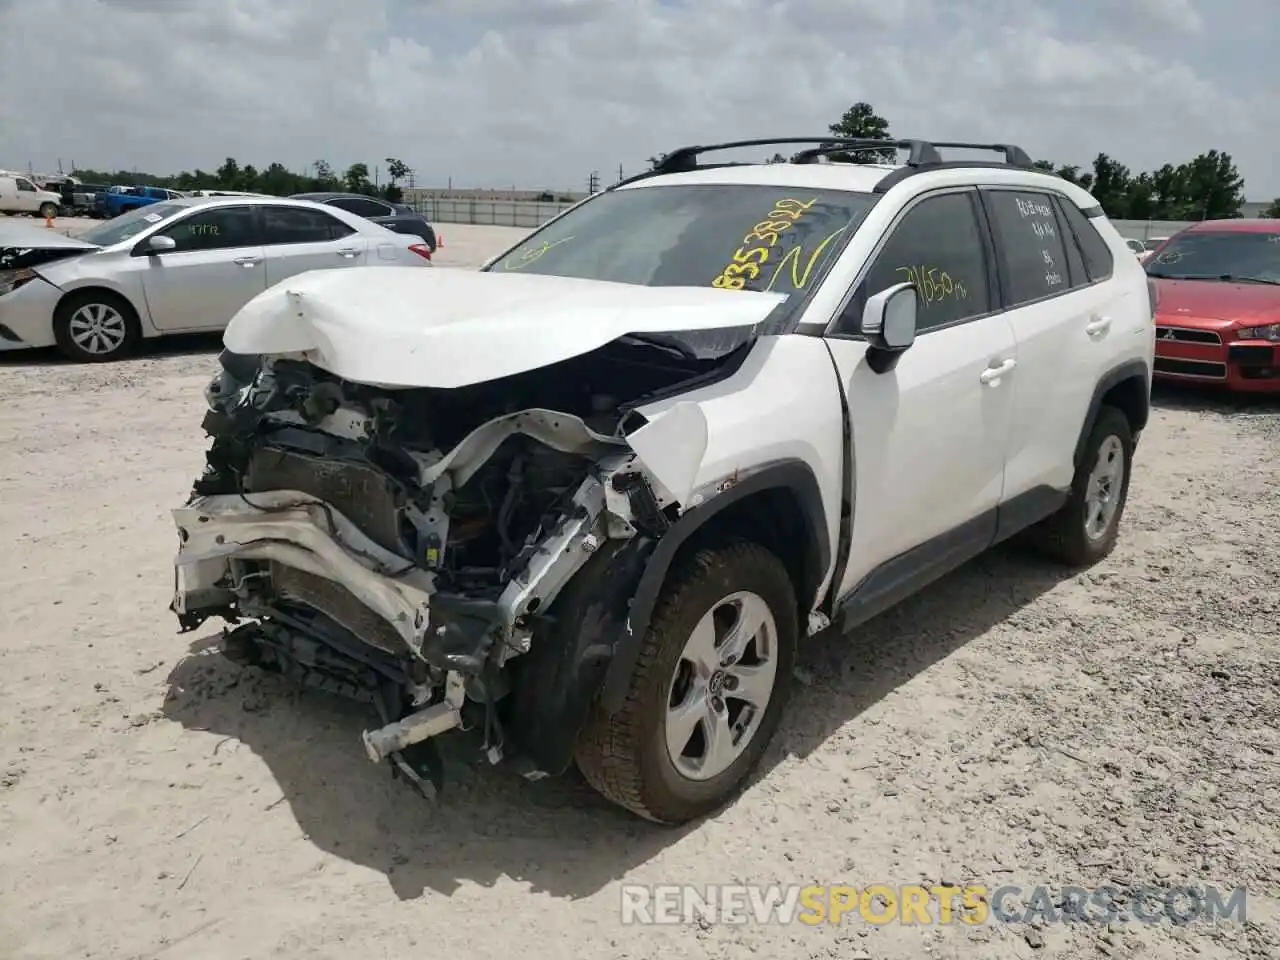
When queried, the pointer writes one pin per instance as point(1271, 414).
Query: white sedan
point(179, 266)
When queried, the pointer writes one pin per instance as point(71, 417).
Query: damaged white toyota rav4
point(586, 500)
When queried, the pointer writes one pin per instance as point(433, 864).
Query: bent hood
point(406, 327)
point(23, 246)
point(1216, 304)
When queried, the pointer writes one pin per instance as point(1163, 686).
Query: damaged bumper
point(289, 546)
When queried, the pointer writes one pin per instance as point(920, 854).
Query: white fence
point(497, 213)
point(1146, 229)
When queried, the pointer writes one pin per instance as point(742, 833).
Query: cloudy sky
point(538, 93)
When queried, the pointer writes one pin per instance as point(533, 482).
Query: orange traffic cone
point(439, 241)
point(48, 222)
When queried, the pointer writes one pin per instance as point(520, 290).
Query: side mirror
point(160, 244)
point(889, 318)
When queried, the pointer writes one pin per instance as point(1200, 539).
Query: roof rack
point(921, 155)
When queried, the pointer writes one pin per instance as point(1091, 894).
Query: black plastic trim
point(793, 475)
point(848, 494)
point(1016, 514)
point(7, 334)
point(1128, 370)
point(911, 571)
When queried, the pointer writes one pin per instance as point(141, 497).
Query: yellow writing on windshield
point(800, 277)
point(749, 258)
point(933, 284)
point(532, 255)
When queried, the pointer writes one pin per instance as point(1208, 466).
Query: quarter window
point(216, 229)
point(361, 207)
point(1098, 260)
point(300, 225)
point(1029, 238)
point(938, 246)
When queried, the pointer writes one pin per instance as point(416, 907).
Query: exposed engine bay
point(400, 546)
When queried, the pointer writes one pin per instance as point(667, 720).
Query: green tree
point(1273, 211)
point(1215, 189)
point(1111, 186)
point(397, 170)
point(861, 122)
point(357, 178)
point(229, 174)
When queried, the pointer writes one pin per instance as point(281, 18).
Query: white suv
point(587, 500)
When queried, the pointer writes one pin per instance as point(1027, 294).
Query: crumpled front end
point(403, 546)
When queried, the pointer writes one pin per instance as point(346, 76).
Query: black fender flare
point(586, 648)
point(1129, 370)
point(792, 475)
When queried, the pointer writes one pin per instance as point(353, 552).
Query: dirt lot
point(1009, 726)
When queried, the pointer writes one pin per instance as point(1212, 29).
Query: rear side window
point(1098, 261)
point(1030, 245)
point(300, 225)
point(360, 206)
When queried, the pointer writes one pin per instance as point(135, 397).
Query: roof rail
point(684, 159)
point(921, 155)
point(1014, 156)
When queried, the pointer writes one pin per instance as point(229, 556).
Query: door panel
point(929, 435)
point(1060, 323)
point(217, 267)
point(298, 239)
point(929, 439)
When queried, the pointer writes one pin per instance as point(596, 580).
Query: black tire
point(624, 756)
point(48, 210)
point(1063, 536)
point(62, 326)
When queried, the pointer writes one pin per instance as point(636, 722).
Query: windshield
point(129, 224)
point(1227, 255)
point(730, 236)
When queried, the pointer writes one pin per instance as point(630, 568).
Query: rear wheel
point(95, 326)
point(1086, 528)
point(708, 691)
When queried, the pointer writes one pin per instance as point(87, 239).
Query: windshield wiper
point(1233, 278)
point(1221, 277)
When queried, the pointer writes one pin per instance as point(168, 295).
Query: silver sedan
point(179, 266)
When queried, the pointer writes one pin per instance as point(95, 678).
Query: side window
point(216, 229)
point(1075, 259)
point(938, 246)
point(361, 206)
point(26, 186)
point(300, 225)
point(1030, 245)
point(1098, 260)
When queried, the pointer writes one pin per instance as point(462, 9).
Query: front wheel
point(95, 326)
point(1084, 531)
point(48, 210)
point(708, 691)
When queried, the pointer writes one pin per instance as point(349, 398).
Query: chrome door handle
point(247, 261)
point(1097, 325)
point(348, 253)
point(991, 376)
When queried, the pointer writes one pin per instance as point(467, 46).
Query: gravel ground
point(1008, 726)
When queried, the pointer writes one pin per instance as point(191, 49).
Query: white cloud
point(542, 92)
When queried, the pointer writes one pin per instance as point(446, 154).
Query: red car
point(1217, 288)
